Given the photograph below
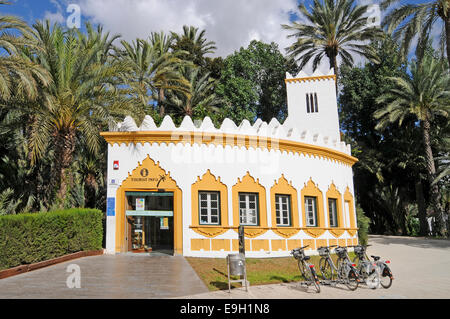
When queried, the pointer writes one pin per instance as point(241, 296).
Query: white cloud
point(230, 23)
point(54, 17)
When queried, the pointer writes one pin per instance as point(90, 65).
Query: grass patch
point(260, 271)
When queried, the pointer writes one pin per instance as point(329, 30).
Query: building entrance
point(149, 221)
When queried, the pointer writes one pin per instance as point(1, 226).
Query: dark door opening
point(150, 222)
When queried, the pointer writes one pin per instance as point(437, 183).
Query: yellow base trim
point(342, 242)
point(260, 244)
point(219, 244)
point(199, 244)
point(278, 244)
point(235, 244)
point(321, 243)
point(311, 243)
point(294, 243)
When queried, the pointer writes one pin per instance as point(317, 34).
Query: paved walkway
point(421, 269)
point(108, 276)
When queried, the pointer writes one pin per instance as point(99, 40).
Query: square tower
point(312, 104)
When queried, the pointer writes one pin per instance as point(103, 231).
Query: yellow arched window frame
point(311, 190)
point(283, 187)
point(209, 183)
point(348, 200)
point(333, 193)
point(247, 185)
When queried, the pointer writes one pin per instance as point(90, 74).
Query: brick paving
point(421, 269)
point(121, 276)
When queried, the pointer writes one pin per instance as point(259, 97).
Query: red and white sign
point(116, 165)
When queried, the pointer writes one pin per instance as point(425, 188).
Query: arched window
point(312, 205)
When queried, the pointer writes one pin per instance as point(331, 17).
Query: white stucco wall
point(186, 162)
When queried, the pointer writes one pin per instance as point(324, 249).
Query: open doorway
point(150, 222)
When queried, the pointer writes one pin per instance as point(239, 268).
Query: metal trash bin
point(237, 264)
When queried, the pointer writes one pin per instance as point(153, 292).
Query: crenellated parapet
point(272, 132)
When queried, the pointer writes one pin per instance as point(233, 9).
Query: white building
point(188, 188)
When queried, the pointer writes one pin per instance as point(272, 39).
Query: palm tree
point(81, 98)
point(200, 96)
point(335, 29)
point(18, 75)
point(411, 20)
point(194, 43)
point(425, 94)
point(151, 71)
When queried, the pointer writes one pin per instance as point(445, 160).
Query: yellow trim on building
point(249, 185)
point(348, 197)
point(312, 78)
point(219, 244)
point(333, 193)
point(278, 244)
point(223, 139)
point(260, 244)
point(311, 190)
point(199, 244)
point(209, 182)
point(283, 187)
point(151, 182)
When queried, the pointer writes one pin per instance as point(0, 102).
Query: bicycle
point(306, 269)
point(384, 272)
point(367, 270)
point(345, 270)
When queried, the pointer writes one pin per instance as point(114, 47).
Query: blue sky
point(230, 23)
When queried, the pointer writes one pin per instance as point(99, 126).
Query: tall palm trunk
point(447, 35)
point(64, 149)
point(161, 99)
point(431, 170)
point(423, 230)
point(334, 64)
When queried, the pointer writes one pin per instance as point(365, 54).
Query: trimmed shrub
point(363, 225)
point(31, 238)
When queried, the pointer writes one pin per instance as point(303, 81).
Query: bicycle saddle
point(376, 258)
point(307, 258)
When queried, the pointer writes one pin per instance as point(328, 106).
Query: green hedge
point(31, 238)
point(363, 226)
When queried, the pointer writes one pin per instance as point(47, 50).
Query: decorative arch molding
point(311, 189)
point(209, 182)
point(333, 193)
point(149, 176)
point(249, 185)
point(283, 187)
point(348, 198)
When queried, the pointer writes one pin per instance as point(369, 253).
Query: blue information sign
point(111, 206)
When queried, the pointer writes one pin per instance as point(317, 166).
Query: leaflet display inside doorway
point(150, 221)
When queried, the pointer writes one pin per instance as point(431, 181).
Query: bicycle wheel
point(349, 276)
point(373, 280)
point(351, 281)
point(315, 279)
point(386, 277)
point(325, 269)
point(304, 271)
